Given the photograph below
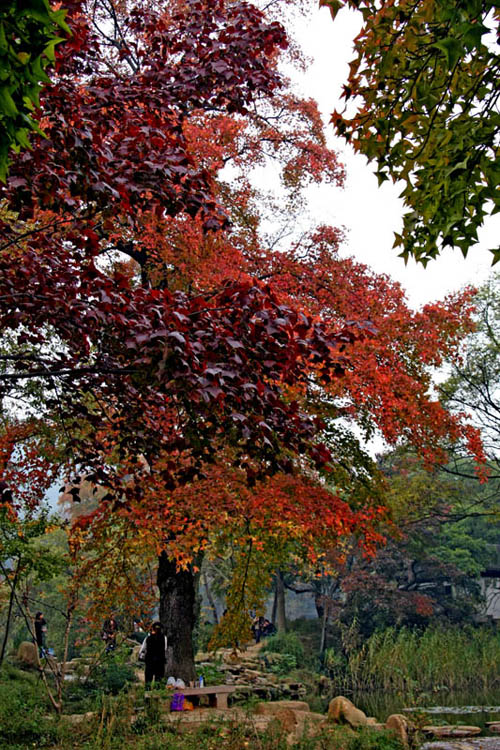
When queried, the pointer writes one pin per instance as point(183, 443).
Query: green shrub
point(285, 643)
point(280, 664)
point(202, 635)
point(344, 738)
point(23, 705)
point(80, 697)
point(372, 739)
point(112, 677)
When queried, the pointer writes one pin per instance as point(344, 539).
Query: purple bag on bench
point(177, 703)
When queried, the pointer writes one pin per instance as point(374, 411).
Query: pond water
point(442, 707)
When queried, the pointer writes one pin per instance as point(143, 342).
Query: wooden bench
point(217, 694)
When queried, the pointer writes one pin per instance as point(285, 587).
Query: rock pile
point(245, 669)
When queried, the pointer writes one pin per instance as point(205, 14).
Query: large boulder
point(287, 719)
point(308, 723)
point(399, 725)
point(27, 653)
point(294, 717)
point(269, 709)
point(342, 711)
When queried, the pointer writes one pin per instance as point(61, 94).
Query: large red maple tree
point(151, 323)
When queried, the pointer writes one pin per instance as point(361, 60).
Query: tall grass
point(405, 659)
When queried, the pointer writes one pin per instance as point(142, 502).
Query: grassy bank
point(124, 720)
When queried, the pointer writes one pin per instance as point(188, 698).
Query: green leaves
point(429, 92)
point(29, 32)
point(23, 545)
point(7, 103)
point(452, 50)
point(475, 382)
point(333, 5)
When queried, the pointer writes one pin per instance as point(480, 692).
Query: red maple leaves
point(115, 139)
point(198, 348)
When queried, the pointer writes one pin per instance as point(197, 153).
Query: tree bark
point(210, 598)
point(280, 603)
point(178, 612)
point(275, 605)
point(9, 613)
point(324, 620)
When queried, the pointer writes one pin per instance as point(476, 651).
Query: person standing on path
point(40, 633)
point(154, 653)
point(108, 635)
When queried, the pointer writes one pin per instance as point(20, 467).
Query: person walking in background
point(109, 631)
point(40, 633)
point(257, 628)
point(154, 653)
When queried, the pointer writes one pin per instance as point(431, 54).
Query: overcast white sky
point(371, 213)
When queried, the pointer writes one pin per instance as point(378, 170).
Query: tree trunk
point(210, 598)
point(178, 612)
point(275, 605)
point(9, 613)
point(280, 603)
point(324, 620)
point(72, 600)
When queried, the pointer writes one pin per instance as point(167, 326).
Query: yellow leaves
point(428, 10)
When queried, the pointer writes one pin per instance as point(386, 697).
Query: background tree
point(23, 556)
point(445, 533)
point(474, 384)
point(426, 79)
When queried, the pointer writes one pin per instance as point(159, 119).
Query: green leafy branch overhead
point(23, 546)
point(425, 85)
point(29, 32)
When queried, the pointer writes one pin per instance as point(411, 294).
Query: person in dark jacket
point(108, 634)
point(40, 632)
point(154, 653)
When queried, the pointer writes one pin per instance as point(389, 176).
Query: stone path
point(479, 743)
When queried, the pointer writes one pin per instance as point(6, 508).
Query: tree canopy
point(424, 88)
point(155, 342)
